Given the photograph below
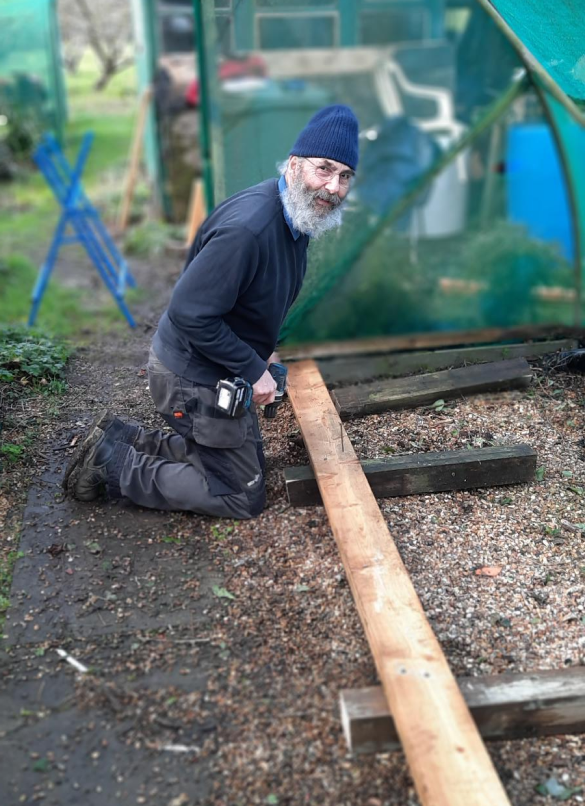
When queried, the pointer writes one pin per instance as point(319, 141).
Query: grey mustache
point(333, 198)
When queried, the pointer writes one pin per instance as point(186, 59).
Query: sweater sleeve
point(208, 290)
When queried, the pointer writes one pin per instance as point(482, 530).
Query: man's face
point(326, 181)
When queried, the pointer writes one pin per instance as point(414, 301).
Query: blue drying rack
point(83, 218)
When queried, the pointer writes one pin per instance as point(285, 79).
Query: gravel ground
point(250, 686)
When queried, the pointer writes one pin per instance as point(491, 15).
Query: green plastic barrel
point(260, 125)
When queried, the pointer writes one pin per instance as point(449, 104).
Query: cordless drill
point(279, 373)
point(234, 395)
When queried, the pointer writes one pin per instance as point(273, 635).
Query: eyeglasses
point(325, 173)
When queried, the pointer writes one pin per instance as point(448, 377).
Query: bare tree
point(105, 27)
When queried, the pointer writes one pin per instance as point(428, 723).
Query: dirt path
point(216, 650)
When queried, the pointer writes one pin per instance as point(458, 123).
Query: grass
point(29, 213)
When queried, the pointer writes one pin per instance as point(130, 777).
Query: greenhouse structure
point(469, 206)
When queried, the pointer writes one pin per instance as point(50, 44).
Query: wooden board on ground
point(420, 390)
point(505, 706)
point(425, 341)
point(447, 758)
point(359, 369)
point(427, 473)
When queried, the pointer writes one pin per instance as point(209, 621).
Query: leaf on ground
point(301, 588)
point(438, 405)
point(271, 800)
point(42, 765)
point(575, 489)
point(488, 571)
point(556, 790)
point(539, 474)
point(222, 593)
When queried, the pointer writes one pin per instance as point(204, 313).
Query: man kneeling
point(244, 271)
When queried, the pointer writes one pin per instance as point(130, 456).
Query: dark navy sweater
point(244, 271)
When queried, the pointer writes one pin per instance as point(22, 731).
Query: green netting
point(461, 216)
point(31, 80)
point(554, 33)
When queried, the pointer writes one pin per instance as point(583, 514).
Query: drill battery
point(233, 396)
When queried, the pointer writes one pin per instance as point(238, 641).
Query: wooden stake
point(197, 212)
point(447, 758)
point(134, 164)
point(504, 706)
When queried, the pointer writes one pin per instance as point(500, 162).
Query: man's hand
point(264, 389)
point(274, 358)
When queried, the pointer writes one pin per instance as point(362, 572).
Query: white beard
point(299, 202)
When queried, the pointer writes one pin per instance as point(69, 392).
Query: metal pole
point(533, 64)
point(204, 95)
point(572, 196)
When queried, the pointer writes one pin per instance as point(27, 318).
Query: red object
point(232, 68)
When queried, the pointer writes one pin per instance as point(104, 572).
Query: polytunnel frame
point(545, 86)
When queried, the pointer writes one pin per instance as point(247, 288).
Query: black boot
point(87, 480)
point(104, 422)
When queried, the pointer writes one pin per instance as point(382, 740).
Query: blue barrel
point(536, 191)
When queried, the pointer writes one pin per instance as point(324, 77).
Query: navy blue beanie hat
point(333, 134)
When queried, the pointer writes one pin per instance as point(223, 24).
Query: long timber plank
point(504, 706)
point(424, 341)
point(360, 369)
point(420, 390)
point(447, 758)
point(427, 473)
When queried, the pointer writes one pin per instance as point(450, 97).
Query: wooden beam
point(420, 390)
point(427, 473)
point(134, 164)
point(423, 341)
point(505, 706)
point(447, 758)
point(359, 369)
point(197, 213)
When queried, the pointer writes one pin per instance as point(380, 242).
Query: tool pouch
point(211, 427)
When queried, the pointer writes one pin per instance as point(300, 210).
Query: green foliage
point(222, 593)
point(21, 134)
point(510, 263)
point(149, 239)
point(29, 355)
point(11, 451)
point(221, 531)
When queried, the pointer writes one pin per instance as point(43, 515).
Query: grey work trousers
point(213, 465)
